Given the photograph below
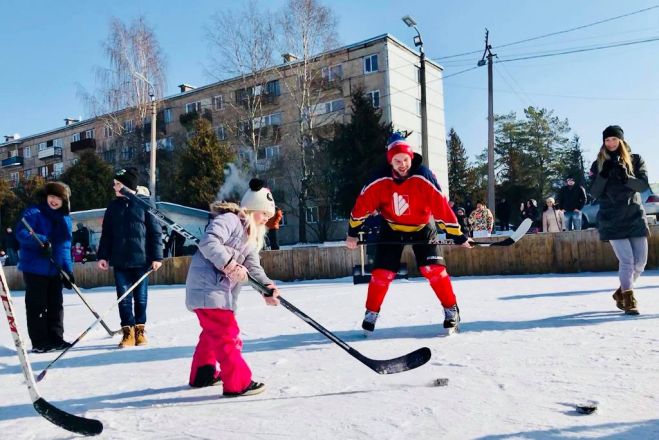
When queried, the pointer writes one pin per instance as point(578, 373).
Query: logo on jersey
point(401, 204)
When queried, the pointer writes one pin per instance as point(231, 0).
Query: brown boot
point(129, 337)
point(617, 296)
point(630, 302)
point(140, 337)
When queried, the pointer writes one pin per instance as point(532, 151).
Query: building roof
point(348, 47)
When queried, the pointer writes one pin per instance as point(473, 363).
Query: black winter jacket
point(621, 214)
point(131, 237)
point(573, 198)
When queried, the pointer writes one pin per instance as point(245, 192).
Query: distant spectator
point(481, 220)
point(78, 253)
point(3, 257)
point(571, 199)
point(273, 227)
point(81, 235)
point(10, 245)
point(503, 214)
point(530, 211)
point(451, 205)
point(463, 221)
point(552, 218)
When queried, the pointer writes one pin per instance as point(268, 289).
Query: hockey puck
point(586, 408)
point(441, 382)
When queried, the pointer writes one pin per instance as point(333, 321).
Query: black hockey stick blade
point(70, 422)
point(389, 366)
point(409, 361)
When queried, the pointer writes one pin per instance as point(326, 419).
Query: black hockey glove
point(621, 172)
point(47, 249)
point(68, 283)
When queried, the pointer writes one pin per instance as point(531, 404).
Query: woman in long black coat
point(617, 178)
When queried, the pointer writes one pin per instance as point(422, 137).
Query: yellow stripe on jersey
point(449, 228)
point(354, 223)
point(406, 228)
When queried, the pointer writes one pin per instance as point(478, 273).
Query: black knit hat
point(127, 176)
point(613, 130)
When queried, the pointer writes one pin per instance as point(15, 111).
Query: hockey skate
point(451, 319)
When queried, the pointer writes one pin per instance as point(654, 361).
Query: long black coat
point(621, 214)
point(131, 237)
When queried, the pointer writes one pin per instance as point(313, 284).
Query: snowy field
point(531, 347)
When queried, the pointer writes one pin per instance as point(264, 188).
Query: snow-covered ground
point(531, 347)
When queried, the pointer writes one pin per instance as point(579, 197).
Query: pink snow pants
point(219, 343)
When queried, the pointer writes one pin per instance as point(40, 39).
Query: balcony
point(12, 161)
point(50, 152)
point(82, 144)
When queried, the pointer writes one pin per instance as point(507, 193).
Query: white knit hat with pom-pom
point(258, 198)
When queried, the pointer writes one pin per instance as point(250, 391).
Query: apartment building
point(383, 67)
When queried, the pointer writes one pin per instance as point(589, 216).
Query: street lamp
point(418, 42)
point(152, 169)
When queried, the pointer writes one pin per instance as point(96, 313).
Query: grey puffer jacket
point(621, 214)
point(225, 239)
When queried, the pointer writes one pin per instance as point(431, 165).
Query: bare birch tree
point(242, 46)
point(307, 30)
point(122, 98)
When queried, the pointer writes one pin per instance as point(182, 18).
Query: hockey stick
point(388, 366)
point(508, 241)
point(99, 319)
point(63, 419)
point(66, 276)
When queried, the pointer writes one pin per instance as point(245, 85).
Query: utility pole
point(154, 145)
point(487, 53)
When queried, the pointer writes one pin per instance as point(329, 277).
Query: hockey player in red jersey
point(406, 194)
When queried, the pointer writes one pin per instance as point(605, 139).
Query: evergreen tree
point(357, 150)
point(458, 168)
point(90, 181)
point(200, 172)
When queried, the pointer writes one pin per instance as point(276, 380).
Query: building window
point(166, 143)
point(335, 216)
point(167, 115)
point(57, 143)
point(129, 126)
point(43, 171)
point(27, 174)
point(218, 102)
point(108, 132)
point(127, 153)
point(328, 107)
point(272, 152)
point(75, 161)
point(271, 119)
point(13, 153)
point(108, 156)
point(89, 134)
point(272, 88)
point(312, 214)
point(332, 73)
point(221, 132)
point(27, 152)
point(41, 146)
point(75, 137)
point(375, 98)
point(245, 155)
point(371, 63)
point(193, 107)
point(58, 168)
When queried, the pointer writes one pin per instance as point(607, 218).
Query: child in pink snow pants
point(228, 250)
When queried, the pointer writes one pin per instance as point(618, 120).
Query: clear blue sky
point(49, 47)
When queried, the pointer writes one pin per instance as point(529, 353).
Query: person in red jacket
point(273, 227)
point(406, 194)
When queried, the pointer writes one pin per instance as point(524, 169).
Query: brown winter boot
point(630, 302)
point(140, 337)
point(129, 337)
point(617, 296)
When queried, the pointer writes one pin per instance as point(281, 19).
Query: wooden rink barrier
point(565, 252)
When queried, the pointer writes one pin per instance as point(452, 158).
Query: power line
point(553, 33)
point(607, 46)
